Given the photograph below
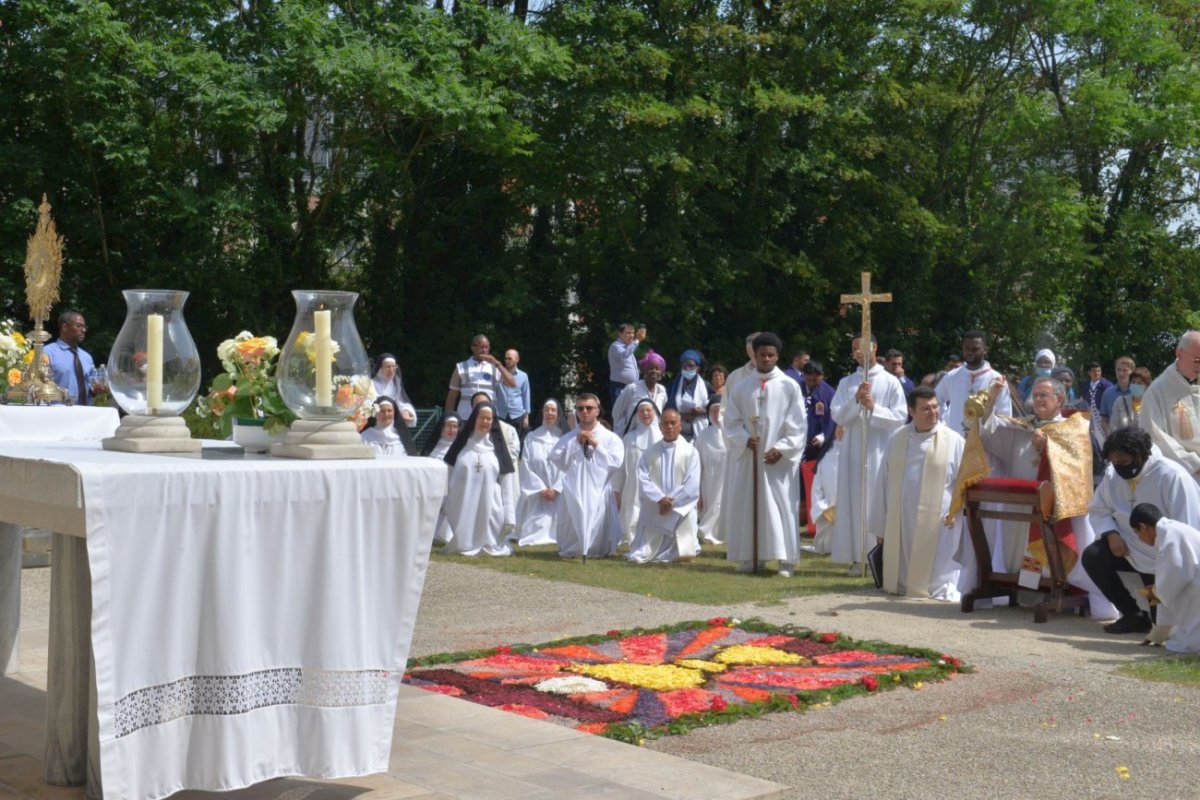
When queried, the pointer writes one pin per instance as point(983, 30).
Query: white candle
point(322, 321)
point(154, 363)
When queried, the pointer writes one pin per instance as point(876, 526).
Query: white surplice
point(710, 445)
point(1164, 483)
point(624, 483)
point(667, 469)
point(628, 399)
point(776, 400)
point(822, 504)
point(919, 561)
point(1177, 583)
point(589, 523)
point(1172, 406)
point(478, 503)
point(891, 410)
point(960, 383)
point(537, 516)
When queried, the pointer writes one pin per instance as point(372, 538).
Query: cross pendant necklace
point(479, 463)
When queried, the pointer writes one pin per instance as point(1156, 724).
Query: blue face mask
point(1043, 372)
point(1136, 389)
point(688, 374)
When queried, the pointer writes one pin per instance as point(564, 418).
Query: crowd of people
point(755, 456)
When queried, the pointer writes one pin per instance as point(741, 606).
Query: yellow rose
point(252, 349)
point(14, 376)
point(19, 338)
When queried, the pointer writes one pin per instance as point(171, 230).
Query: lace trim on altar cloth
point(237, 694)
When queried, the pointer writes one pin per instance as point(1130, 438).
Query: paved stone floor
point(442, 748)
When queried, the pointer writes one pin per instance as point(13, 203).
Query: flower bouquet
point(16, 354)
point(247, 389)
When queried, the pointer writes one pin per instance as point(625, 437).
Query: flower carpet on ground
point(631, 684)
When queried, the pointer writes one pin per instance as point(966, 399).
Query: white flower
point(243, 336)
point(571, 684)
point(225, 350)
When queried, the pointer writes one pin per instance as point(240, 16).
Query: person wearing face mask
point(1136, 474)
point(1043, 367)
point(688, 394)
point(1125, 410)
point(1172, 404)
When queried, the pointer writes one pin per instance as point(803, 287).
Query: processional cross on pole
point(865, 298)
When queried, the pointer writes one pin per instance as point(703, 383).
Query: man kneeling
point(1176, 574)
point(918, 475)
point(668, 489)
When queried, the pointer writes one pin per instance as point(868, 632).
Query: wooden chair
point(1023, 499)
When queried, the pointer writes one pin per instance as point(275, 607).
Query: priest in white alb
point(766, 431)
point(668, 488)
point(1173, 405)
point(975, 375)
point(869, 404)
point(588, 457)
point(918, 481)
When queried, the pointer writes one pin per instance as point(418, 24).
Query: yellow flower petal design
point(747, 654)
point(660, 677)
point(703, 666)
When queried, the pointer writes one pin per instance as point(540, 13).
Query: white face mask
point(688, 374)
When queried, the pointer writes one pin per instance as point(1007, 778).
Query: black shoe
point(1130, 623)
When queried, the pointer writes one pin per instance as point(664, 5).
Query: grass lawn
point(709, 580)
point(1181, 670)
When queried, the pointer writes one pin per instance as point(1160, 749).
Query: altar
point(221, 621)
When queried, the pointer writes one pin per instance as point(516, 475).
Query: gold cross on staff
point(865, 299)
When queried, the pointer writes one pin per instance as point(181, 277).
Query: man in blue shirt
point(69, 362)
point(1123, 367)
point(513, 402)
point(818, 395)
point(622, 358)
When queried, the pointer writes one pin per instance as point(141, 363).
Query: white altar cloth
point(57, 423)
point(251, 619)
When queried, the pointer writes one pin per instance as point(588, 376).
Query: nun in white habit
point(641, 432)
point(384, 434)
point(479, 501)
point(541, 482)
point(388, 382)
point(450, 426)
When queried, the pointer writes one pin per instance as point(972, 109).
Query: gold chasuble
point(1065, 468)
point(928, 524)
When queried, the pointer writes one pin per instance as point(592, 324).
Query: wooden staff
point(754, 462)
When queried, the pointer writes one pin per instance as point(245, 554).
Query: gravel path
point(1044, 711)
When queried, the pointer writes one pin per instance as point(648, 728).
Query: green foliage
point(1024, 166)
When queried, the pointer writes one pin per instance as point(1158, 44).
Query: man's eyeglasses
point(587, 408)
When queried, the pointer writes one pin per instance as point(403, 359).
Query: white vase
point(252, 436)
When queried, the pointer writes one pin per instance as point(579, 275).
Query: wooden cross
point(865, 299)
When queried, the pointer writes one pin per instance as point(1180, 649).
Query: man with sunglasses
point(589, 457)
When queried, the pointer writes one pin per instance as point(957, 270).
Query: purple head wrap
point(652, 359)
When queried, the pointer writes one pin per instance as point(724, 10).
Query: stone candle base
point(144, 434)
point(317, 439)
